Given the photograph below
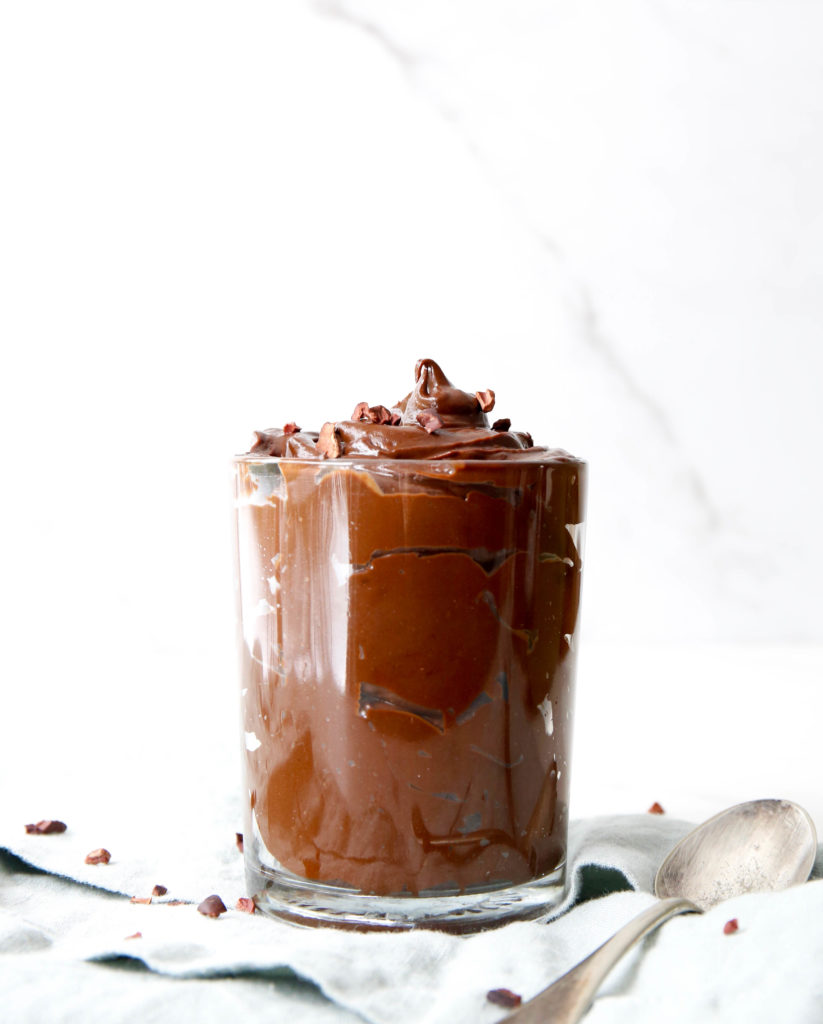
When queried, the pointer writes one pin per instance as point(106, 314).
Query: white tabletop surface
point(696, 728)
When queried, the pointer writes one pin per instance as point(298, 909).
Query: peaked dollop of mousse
point(435, 397)
point(436, 420)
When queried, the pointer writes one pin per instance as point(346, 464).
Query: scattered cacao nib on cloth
point(504, 997)
point(46, 828)
point(212, 906)
point(101, 856)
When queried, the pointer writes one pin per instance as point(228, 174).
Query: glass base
point(313, 904)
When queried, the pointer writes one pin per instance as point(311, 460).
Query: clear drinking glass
point(408, 647)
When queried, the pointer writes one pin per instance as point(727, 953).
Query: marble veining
point(371, 28)
point(437, 51)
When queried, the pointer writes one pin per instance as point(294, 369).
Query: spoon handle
point(567, 999)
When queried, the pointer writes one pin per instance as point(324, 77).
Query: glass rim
point(377, 461)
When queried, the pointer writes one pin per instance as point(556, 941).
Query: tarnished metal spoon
point(759, 846)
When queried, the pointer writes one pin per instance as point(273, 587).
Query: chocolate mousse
point(409, 584)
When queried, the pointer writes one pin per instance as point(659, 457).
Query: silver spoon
point(759, 846)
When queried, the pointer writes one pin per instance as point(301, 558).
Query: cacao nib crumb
point(655, 809)
point(429, 421)
point(327, 442)
point(246, 904)
point(100, 856)
point(379, 414)
point(46, 828)
point(239, 840)
point(730, 927)
point(136, 935)
point(501, 425)
point(485, 399)
point(396, 418)
point(212, 906)
point(504, 997)
point(363, 412)
point(291, 428)
point(141, 899)
point(159, 890)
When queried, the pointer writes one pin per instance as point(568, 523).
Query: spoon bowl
point(759, 846)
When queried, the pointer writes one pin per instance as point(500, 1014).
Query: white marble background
point(220, 216)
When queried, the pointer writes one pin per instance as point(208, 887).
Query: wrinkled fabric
point(68, 933)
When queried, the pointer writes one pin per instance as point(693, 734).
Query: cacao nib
point(46, 828)
point(429, 421)
point(485, 399)
point(100, 856)
point(327, 442)
point(504, 997)
point(212, 906)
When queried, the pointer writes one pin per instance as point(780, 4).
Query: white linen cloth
point(68, 953)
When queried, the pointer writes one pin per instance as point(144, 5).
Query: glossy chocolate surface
point(434, 421)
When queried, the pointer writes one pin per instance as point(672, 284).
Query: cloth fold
point(68, 929)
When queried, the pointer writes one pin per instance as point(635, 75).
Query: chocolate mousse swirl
point(435, 421)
